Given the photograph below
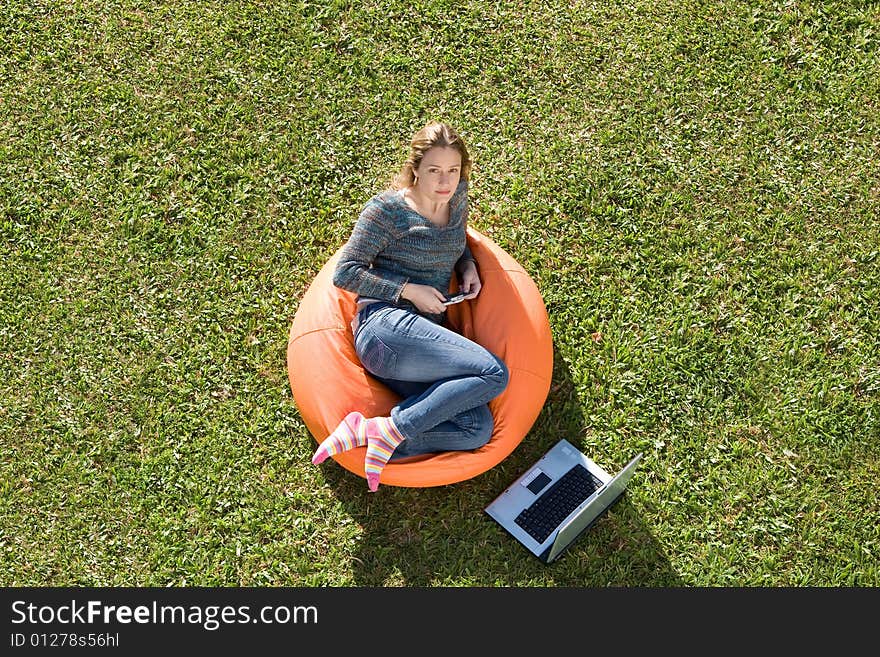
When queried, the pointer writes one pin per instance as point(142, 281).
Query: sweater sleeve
point(462, 206)
point(465, 257)
point(355, 272)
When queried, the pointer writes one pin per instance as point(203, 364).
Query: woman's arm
point(466, 266)
point(354, 272)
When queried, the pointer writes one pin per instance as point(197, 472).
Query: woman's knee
point(498, 374)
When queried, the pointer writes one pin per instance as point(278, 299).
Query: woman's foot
point(347, 435)
point(382, 439)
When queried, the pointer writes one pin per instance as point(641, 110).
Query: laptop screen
point(610, 493)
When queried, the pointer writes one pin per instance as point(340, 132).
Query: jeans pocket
point(377, 357)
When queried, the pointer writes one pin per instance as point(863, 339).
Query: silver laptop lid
point(591, 509)
point(532, 484)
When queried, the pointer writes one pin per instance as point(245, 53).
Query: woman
point(406, 245)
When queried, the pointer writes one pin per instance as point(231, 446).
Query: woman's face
point(439, 173)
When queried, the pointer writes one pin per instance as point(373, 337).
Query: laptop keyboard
point(544, 515)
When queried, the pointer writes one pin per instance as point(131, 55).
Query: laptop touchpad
point(538, 483)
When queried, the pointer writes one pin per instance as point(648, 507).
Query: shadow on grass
point(442, 537)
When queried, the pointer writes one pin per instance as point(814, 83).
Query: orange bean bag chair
point(508, 318)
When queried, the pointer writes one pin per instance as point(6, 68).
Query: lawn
point(694, 187)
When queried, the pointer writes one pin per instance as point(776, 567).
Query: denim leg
point(446, 380)
point(470, 429)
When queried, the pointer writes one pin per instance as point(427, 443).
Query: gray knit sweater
point(392, 245)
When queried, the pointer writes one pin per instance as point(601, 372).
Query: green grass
point(693, 186)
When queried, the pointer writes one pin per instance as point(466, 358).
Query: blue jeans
point(445, 380)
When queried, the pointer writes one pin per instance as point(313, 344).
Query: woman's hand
point(426, 298)
point(470, 279)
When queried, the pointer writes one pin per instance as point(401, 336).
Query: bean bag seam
point(534, 374)
point(317, 330)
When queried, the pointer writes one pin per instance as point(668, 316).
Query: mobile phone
point(454, 298)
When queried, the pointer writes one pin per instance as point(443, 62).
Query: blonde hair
point(433, 134)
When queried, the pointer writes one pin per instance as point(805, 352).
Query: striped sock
point(347, 435)
point(382, 438)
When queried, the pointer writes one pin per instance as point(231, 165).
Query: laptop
point(557, 499)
